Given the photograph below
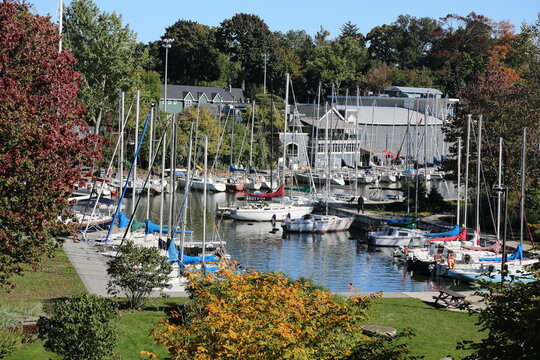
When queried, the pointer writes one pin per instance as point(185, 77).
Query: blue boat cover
point(453, 232)
point(123, 220)
point(517, 255)
point(233, 169)
point(253, 171)
point(393, 221)
point(192, 260)
point(172, 252)
point(153, 228)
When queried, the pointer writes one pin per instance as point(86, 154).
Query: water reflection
point(334, 260)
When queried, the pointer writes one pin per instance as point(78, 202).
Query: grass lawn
point(56, 278)
point(437, 330)
point(133, 328)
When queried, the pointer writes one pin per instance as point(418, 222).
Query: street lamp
point(167, 45)
point(265, 59)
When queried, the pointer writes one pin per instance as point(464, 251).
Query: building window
point(174, 102)
point(188, 102)
point(169, 102)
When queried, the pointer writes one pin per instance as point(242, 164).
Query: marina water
point(341, 262)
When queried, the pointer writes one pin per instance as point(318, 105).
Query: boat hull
point(270, 213)
point(317, 224)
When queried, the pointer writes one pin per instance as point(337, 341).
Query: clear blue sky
point(150, 18)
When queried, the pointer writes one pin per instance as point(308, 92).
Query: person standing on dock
point(361, 204)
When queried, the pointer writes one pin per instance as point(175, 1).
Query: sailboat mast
point(523, 169)
point(162, 197)
point(251, 141)
point(60, 18)
point(285, 128)
point(205, 194)
point(499, 194)
point(478, 173)
point(150, 150)
point(467, 155)
point(172, 177)
point(458, 181)
point(356, 141)
point(133, 195)
point(317, 130)
point(187, 190)
point(121, 162)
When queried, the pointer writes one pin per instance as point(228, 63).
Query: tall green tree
point(245, 38)
point(106, 53)
point(340, 61)
point(193, 57)
point(405, 42)
point(43, 139)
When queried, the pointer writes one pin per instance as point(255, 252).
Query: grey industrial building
point(369, 130)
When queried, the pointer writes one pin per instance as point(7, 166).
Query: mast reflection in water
point(334, 260)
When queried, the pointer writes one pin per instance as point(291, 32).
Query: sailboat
point(314, 223)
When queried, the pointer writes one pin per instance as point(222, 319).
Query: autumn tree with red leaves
point(42, 138)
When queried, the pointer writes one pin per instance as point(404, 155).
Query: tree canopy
point(43, 139)
point(106, 53)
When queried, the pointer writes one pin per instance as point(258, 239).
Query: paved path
point(91, 267)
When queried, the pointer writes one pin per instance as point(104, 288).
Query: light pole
point(265, 59)
point(167, 45)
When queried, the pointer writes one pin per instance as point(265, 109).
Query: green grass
point(133, 328)
point(437, 330)
point(56, 278)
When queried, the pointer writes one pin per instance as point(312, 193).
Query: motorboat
point(396, 237)
point(313, 223)
point(198, 183)
point(264, 211)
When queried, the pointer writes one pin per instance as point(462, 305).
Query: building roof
point(378, 115)
point(413, 90)
point(179, 92)
point(385, 115)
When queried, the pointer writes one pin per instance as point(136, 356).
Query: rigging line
point(220, 140)
point(242, 146)
point(518, 194)
point(132, 217)
point(109, 168)
point(127, 179)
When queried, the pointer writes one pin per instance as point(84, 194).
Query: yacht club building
point(370, 130)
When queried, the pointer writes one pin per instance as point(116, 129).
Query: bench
point(450, 298)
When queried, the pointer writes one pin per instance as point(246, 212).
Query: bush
point(9, 342)
point(80, 327)
point(136, 271)
point(512, 319)
point(250, 315)
point(8, 318)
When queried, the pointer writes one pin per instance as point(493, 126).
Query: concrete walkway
point(91, 267)
point(89, 264)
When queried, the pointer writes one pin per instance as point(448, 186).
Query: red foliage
point(42, 136)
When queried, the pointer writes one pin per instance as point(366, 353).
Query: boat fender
point(438, 258)
point(451, 262)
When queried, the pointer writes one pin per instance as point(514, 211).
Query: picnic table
point(450, 298)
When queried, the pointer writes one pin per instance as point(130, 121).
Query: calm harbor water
point(338, 261)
